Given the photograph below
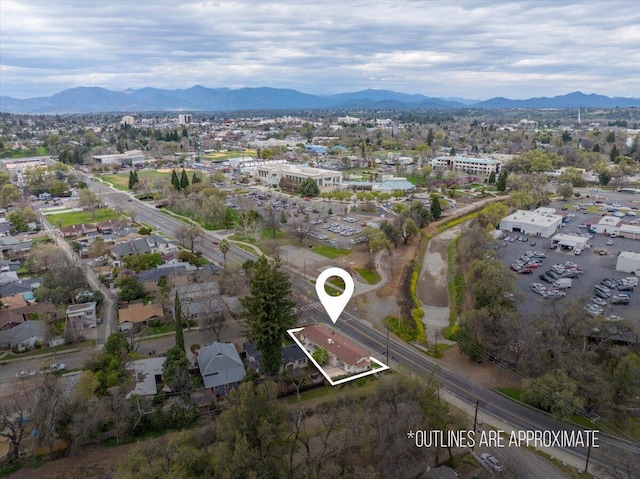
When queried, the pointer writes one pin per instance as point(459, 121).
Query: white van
point(563, 283)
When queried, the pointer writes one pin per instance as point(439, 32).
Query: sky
point(470, 49)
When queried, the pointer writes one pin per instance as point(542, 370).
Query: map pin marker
point(334, 305)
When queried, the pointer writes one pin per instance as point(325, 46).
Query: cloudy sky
point(472, 49)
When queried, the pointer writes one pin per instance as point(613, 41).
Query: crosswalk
point(310, 306)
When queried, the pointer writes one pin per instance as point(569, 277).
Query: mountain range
point(199, 98)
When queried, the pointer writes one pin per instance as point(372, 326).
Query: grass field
point(329, 251)
point(83, 217)
point(121, 180)
point(371, 277)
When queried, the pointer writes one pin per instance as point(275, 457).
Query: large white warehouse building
point(543, 222)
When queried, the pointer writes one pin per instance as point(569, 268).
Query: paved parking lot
point(595, 267)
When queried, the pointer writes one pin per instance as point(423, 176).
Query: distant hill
point(570, 100)
point(199, 98)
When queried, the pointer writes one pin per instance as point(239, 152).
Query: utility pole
point(586, 466)
point(475, 422)
point(388, 357)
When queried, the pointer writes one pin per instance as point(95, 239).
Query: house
point(148, 244)
point(140, 313)
point(9, 277)
point(147, 373)
point(44, 196)
point(206, 273)
point(342, 353)
point(149, 278)
point(293, 358)
point(24, 336)
point(220, 367)
point(8, 265)
point(81, 316)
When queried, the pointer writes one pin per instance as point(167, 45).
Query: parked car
point(529, 271)
point(491, 461)
point(25, 374)
point(58, 367)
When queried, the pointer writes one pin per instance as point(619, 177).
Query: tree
point(132, 179)
point(252, 437)
point(142, 261)
point(184, 180)
point(188, 235)
point(271, 221)
point(436, 209)
point(604, 177)
point(492, 178)
point(565, 190)
point(554, 392)
point(490, 216)
point(501, 184)
point(195, 178)
point(309, 188)
point(408, 228)
point(177, 318)
point(321, 356)
point(614, 153)
point(130, 288)
point(268, 311)
point(224, 249)
point(9, 194)
point(13, 424)
point(301, 230)
point(391, 232)
point(175, 371)
point(174, 180)
point(87, 199)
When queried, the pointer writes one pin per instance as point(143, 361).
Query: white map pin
point(334, 305)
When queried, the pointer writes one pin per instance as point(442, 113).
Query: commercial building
point(272, 174)
point(628, 262)
point(542, 222)
point(606, 225)
point(469, 166)
point(569, 242)
point(132, 157)
point(629, 231)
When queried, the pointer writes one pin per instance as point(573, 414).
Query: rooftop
point(335, 344)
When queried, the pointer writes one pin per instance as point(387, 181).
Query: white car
point(58, 367)
point(491, 461)
point(25, 374)
point(610, 242)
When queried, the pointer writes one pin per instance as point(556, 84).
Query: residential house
point(72, 231)
point(199, 300)
point(147, 374)
point(82, 316)
point(293, 358)
point(9, 265)
point(5, 228)
point(342, 353)
point(206, 273)
point(24, 336)
point(138, 313)
point(220, 367)
point(179, 274)
point(148, 244)
point(9, 277)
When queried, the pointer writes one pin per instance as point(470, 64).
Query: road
point(610, 455)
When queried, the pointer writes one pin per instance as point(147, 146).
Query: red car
point(525, 271)
point(214, 241)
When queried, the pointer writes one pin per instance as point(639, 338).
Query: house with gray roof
point(220, 367)
point(148, 244)
point(24, 336)
point(293, 358)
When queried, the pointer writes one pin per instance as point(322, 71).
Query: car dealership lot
point(594, 266)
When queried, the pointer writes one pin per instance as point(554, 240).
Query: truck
point(563, 283)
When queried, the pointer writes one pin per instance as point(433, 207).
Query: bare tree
point(188, 235)
point(214, 317)
point(13, 422)
point(50, 401)
point(302, 230)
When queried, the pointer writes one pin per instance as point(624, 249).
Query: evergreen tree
point(452, 152)
point(614, 153)
point(184, 180)
point(268, 311)
point(177, 317)
point(492, 178)
point(430, 137)
point(195, 178)
point(174, 180)
point(309, 187)
point(132, 180)
point(501, 184)
point(436, 209)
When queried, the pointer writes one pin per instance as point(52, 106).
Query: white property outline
point(383, 367)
